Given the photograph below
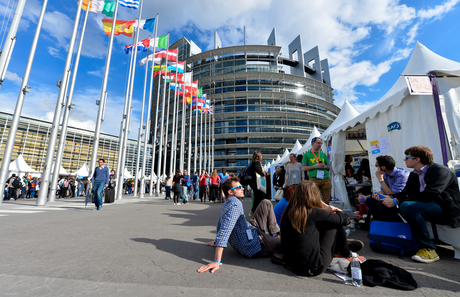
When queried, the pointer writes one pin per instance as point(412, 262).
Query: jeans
point(416, 213)
point(97, 192)
point(184, 194)
point(23, 192)
point(168, 192)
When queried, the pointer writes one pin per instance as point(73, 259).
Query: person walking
point(65, 187)
point(169, 183)
point(33, 187)
point(176, 184)
point(100, 180)
point(256, 168)
point(185, 183)
point(203, 183)
point(214, 181)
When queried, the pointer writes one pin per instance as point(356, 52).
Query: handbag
point(261, 183)
point(279, 194)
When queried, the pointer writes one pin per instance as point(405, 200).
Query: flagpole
point(209, 141)
point(120, 172)
point(162, 123)
point(10, 40)
point(148, 119)
point(167, 127)
point(42, 194)
point(130, 99)
point(201, 136)
point(155, 129)
point(213, 123)
point(196, 136)
point(172, 163)
point(139, 136)
point(190, 126)
point(176, 131)
point(65, 121)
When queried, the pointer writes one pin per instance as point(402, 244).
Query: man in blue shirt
point(185, 183)
point(100, 180)
point(194, 191)
point(248, 238)
point(392, 180)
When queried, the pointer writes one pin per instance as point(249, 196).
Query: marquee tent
point(62, 171)
point(127, 175)
point(19, 166)
point(307, 145)
point(400, 120)
point(83, 171)
point(285, 158)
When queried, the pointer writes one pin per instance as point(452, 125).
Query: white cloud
point(412, 33)
point(438, 11)
point(54, 52)
point(363, 106)
point(97, 73)
point(13, 77)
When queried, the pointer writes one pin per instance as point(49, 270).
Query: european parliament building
point(263, 100)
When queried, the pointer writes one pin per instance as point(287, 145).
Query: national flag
point(100, 6)
point(172, 54)
point(175, 87)
point(121, 27)
point(142, 45)
point(129, 3)
point(168, 68)
point(148, 24)
point(171, 77)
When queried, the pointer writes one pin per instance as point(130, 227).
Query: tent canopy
point(307, 145)
point(346, 114)
point(62, 171)
point(20, 166)
point(83, 171)
point(126, 174)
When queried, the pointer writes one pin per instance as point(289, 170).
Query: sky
point(367, 44)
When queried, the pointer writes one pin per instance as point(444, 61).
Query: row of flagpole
point(125, 124)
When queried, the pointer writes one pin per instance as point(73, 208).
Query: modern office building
point(262, 99)
point(33, 136)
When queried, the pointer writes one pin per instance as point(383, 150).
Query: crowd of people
point(304, 232)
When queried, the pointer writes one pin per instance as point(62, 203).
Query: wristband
point(396, 202)
point(218, 262)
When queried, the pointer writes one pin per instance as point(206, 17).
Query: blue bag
point(391, 237)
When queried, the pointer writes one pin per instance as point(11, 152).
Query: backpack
point(16, 183)
point(245, 175)
point(391, 237)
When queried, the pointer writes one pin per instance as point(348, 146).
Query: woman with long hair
point(256, 167)
point(168, 186)
point(294, 172)
point(176, 186)
point(312, 231)
point(214, 180)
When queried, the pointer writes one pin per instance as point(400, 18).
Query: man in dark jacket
point(431, 194)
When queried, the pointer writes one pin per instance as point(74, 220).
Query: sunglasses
point(408, 157)
point(237, 187)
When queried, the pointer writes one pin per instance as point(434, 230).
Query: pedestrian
point(176, 184)
point(214, 181)
point(101, 180)
point(194, 193)
point(39, 183)
point(203, 183)
point(23, 187)
point(223, 177)
point(294, 173)
point(33, 187)
point(185, 184)
point(73, 186)
point(65, 187)
point(169, 183)
point(256, 168)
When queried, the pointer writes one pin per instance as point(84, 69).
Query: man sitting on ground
point(392, 180)
point(431, 194)
point(248, 238)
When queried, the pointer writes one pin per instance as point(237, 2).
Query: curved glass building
point(262, 100)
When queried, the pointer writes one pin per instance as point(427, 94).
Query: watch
point(381, 181)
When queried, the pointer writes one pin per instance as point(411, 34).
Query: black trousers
point(332, 241)
point(176, 197)
point(203, 193)
point(258, 197)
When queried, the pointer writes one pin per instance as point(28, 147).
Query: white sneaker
point(178, 203)
point(174, 203)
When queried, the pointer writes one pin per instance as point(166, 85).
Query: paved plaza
point(150, 247)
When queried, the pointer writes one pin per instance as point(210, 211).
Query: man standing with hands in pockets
point(318, 168)
point(100, 179)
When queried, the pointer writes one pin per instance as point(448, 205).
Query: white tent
point(307, 145)
point(277, 158)
point(414, 116)
point(62, 171)
point(285, 157)
point(126, 174)
point(19, 166)
point(296, 148)
point(83, 171)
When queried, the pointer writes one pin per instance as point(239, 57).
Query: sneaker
point(426, 256)
point(360, 258)
point(355, 245)
point(178, 203)
point(95, 208)
point(100, 207)
point(175, 203)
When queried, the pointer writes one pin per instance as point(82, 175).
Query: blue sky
point(367, 44)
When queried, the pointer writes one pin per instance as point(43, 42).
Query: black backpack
point(245, 175)
point(16, 183)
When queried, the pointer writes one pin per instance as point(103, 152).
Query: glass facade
point(33, 136)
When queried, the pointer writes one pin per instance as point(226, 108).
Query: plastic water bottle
point(356, 275)
point(352, 226)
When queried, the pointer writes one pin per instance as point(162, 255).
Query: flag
point(188, 77)
point(100, 6)
point(129, 3)
point(142, 45)
point(172, 54)
point(148, 24)
point(175, 87)
point(150, 58)
point(121, 27)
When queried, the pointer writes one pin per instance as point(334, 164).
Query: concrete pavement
point(150, 247)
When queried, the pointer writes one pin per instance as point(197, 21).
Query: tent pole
point(441, 128)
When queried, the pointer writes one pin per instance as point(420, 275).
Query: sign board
point(419, 85)
point(394, 126)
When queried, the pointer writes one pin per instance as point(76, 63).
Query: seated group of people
point(310, 232)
